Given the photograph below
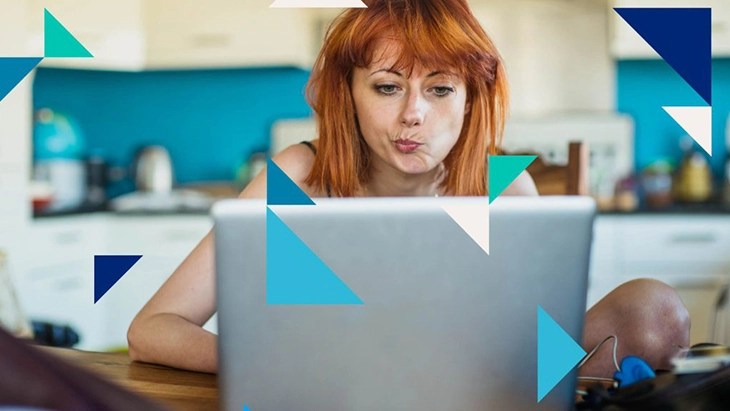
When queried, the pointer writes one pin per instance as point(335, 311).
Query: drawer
point(63, 294)
point(51, 243)
point(674, 240)
point(170, 236)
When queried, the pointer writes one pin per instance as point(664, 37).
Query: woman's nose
point(413, 112)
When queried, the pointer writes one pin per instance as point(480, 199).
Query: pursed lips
point(406, 146)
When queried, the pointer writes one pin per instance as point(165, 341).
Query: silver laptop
point(442, 325)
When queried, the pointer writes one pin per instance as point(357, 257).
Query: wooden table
point(178, 389)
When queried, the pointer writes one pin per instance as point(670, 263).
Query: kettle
point(153, 170)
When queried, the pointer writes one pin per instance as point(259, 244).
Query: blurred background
point(125, 153)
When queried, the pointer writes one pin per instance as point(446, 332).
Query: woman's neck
point(386, 181)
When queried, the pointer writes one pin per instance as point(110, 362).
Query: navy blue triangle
point(682, 37)
point(108, 269)
point(281, 190)
point(13, 70)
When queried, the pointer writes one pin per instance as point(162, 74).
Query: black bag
point(707, 391)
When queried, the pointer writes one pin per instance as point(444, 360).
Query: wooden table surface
point(178, 389)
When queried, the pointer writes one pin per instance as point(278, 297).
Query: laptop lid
point(442, 324)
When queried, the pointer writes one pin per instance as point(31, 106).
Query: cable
point(598, 379)
point(615, 346)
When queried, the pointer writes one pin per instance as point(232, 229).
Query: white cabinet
point(15, 123)
point(162, 34)
point(627, 44)
point(163, 242)
point(54, 265)
point(690, 253)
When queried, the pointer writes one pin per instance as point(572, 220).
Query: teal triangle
point(557, 353)
point(58, 42)
point(281, 190)
point(13, 70)
point(503, 170)
point(295, 275)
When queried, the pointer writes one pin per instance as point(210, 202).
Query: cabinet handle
point(210, 40)
point(65, 284)
point(180, 236)
point(693, 238)
point(69, 237)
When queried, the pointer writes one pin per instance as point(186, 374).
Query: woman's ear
point(467, 108)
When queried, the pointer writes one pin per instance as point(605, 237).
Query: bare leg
point(649, 319)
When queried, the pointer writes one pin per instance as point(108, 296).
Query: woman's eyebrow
point(390, 70)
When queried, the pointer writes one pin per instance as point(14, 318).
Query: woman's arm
point(168, 330)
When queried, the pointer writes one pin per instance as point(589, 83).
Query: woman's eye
point(442, 91)
point(387, 89)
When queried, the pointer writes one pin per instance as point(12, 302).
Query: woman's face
point(410, 124)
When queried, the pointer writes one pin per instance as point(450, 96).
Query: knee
point(654, 300)
point(656, 312)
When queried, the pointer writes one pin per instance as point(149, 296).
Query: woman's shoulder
point(296, 161)
point(523, 185)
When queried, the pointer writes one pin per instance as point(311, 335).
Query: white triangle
point(696, 121)
point(293, 4)
point(474, 220)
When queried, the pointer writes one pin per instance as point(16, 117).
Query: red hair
point(434, 34)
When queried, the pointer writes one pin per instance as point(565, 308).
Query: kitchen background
point(207, 87)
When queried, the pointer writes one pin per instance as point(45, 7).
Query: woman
point(410, 97)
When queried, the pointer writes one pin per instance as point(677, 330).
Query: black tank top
point(314, 150)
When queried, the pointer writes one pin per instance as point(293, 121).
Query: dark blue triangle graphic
point(108, 269)
point(295, 274)
point(682, 37)
point(280, 190)
point(13, 70)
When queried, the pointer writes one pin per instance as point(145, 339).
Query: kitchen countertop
point(676, 209)
point(83, 211)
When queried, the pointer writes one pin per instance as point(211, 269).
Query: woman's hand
point(168, 330)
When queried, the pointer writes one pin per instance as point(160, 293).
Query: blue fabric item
point(633, 369)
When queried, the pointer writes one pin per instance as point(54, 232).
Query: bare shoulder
point(296, 162)
point(523, 185)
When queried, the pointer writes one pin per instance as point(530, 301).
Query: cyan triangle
point(108, 269)
point(682, 37)
point(503, 170)
point(295, 275)
point(281, 190)
point(245, 408)
point(13, 70)
point(58, 42)
point(557, 353)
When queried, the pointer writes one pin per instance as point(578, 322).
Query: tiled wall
point(209, 120)
point(645, 86)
